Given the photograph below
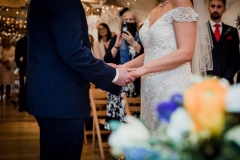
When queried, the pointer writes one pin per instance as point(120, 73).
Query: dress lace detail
point(159, 40)
point(184, 14)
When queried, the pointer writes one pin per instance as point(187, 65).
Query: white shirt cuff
point(116, 77)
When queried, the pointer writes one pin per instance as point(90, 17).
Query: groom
point(225, 38)
point(60, 69)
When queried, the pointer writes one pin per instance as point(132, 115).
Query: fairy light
point(16, 25)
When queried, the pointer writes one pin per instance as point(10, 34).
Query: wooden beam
point(91, 1)
point(13, 3)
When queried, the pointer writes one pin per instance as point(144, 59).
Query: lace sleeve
point(184, 14)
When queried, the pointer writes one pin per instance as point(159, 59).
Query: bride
point(168, 36)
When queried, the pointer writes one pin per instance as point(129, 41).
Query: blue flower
point(178, 99)
point(165, 109)
point(139, 153)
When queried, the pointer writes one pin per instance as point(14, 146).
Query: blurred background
point(13, 14)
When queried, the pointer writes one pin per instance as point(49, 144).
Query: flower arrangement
point(201, 124)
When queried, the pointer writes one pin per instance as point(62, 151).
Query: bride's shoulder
point(181, 3)
point(184, 6)
point(183, 11)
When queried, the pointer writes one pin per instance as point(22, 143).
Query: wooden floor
point(19, 136)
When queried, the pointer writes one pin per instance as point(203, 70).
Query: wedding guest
point(104, 37)
point(7, 66)
point(91, 39)
point(225, 38)
point(60, 69)
point(21, 62)
point(123, 48)
point(114, 34)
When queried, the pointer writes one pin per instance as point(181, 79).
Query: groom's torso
point(53, 88)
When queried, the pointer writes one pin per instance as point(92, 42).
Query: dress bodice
point(159, 40)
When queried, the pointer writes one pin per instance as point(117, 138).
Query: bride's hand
point(138, 72)
point(113, 65)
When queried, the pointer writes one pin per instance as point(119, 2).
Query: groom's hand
point(124, 76)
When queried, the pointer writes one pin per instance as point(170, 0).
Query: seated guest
point(123, 48)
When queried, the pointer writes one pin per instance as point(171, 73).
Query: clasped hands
point(6, 63)
point(126, 75)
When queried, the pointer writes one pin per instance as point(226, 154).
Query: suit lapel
point(224, 31)
point(224, 35)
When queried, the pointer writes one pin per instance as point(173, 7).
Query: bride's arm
point(185, 33)
point(135, 63)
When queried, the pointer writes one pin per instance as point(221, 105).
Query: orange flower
point(205, 102)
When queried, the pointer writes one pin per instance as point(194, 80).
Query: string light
point(16, 25)
point(13, 24)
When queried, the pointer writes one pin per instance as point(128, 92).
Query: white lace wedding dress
point(159, 40)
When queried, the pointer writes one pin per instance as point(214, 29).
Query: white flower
point(196, 78)
point(129, 134)
point(233, 99)
point(233, 135)
point(180, 123)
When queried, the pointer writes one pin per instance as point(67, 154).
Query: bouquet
point(201, 124)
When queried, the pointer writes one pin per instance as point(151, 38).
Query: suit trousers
point(60, 139)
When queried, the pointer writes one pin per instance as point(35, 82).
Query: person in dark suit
point(60, 69)
point(225, 41)
point(21, 62)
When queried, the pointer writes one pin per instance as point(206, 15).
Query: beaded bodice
point(159, 40)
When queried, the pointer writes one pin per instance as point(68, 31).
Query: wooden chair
point(87, 132)
point(92, 86)
point(132, 105)
point(90, 132)
point(98, 99)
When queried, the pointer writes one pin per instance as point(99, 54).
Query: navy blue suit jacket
point(60, 62)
